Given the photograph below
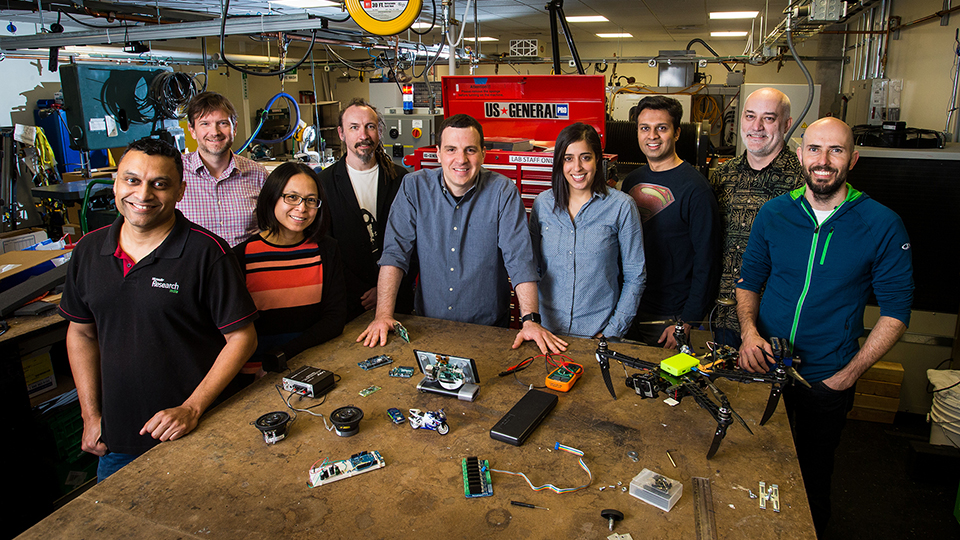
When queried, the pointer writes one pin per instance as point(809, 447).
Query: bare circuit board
point(331, 471)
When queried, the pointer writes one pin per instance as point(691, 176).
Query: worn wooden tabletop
point(224, 481)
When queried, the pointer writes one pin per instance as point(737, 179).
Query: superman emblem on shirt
point(651, 199)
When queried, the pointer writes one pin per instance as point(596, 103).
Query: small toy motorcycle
point(435, 420)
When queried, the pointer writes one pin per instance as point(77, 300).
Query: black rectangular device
point(309, 382)
point(524, 417)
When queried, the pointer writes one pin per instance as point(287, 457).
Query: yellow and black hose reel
point(384, 17)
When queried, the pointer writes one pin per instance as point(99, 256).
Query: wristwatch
point(534, 316)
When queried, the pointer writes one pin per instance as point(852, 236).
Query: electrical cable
point(348, 63)
point(206, 69)
point(709, 48)
point(549, 366)
point(453, 46)
point(552, 487)
point(929, 386)
point(806, 73)
point(282, 71)
point(286, 401)
point(433, 22)
point(705, 107)
point(172, 92)
point(88, 25)
point(293, 125)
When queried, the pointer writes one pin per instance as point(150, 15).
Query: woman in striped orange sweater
point(293, 270)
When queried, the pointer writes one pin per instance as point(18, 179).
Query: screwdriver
point(527, 505)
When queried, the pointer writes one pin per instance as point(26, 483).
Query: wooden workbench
point(224, 481)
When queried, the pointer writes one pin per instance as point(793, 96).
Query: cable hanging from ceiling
point(281, 71)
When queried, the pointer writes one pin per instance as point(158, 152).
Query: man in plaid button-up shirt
point(222, 188)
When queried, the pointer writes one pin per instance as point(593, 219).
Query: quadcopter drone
point(652, 379)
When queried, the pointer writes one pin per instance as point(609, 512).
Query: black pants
point(648, 333)
point(817, 417)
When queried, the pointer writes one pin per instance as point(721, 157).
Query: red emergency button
point(416, 132)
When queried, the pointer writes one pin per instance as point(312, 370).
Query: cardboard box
point(73, 212)
point(878, 393)
point(885, 372)
point(17, 266)
point(106, 172)
point(19, 239)
point(872, 415)
point(879, 403)
point(38, 372)
point(878, 388)
point(74, 230)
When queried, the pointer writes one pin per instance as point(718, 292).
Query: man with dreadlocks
point(360, 188)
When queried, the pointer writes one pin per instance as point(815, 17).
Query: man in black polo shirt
point(159, 314)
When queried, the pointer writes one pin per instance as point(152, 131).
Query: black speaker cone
point(346, 420)
point(273, 426)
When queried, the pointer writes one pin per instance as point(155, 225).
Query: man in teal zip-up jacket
point(819, 251)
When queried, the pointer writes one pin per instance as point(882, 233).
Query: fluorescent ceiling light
point(587, 18)
point(307, 4)
point(728, 34)
point(614, 36)
point(481, 38)
point(422, 25)
point(733, 14)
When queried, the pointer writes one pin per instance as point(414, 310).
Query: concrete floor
point(887, 484)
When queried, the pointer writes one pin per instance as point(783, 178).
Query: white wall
point(923, 57)
point(22, 83)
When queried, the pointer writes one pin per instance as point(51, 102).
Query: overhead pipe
point(806, 74)
point(556, 15)
point(709, 48)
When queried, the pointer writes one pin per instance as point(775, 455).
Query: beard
point(823, 191)
point(773, 143)
point(215, 147)
point(365, 154)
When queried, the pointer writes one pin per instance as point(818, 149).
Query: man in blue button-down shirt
point(468, 227)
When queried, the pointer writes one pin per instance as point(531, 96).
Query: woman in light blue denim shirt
point(588, 242)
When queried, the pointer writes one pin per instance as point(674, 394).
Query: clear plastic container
point(656, 489)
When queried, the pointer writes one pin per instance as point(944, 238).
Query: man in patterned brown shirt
point(743, 184)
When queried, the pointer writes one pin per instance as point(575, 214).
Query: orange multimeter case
point(564, 376)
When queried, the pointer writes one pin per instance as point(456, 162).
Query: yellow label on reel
point(384, 17)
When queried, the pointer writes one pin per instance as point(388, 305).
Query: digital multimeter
point(564, 377)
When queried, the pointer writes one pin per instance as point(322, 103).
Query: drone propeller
point(604, 355)
point(780, 371)
point(796, 375)
point(775, 390)
point(605, 366)
point(718, 436)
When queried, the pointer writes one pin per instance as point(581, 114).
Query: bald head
point(770, 99)
point(833, 129)
point(763, 123)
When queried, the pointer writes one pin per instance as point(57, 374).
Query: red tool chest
point(535, 107)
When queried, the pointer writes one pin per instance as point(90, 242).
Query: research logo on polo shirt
point(160, 283)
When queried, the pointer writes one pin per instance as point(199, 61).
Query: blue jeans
point(111, 463)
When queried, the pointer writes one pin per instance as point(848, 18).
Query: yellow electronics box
point(679, 364)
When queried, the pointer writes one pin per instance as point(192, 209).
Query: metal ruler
point(704, 517)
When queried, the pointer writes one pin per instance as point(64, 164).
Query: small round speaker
point(273, 426)
point(346, 420)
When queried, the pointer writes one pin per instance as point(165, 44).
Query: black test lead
point(527, 505)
